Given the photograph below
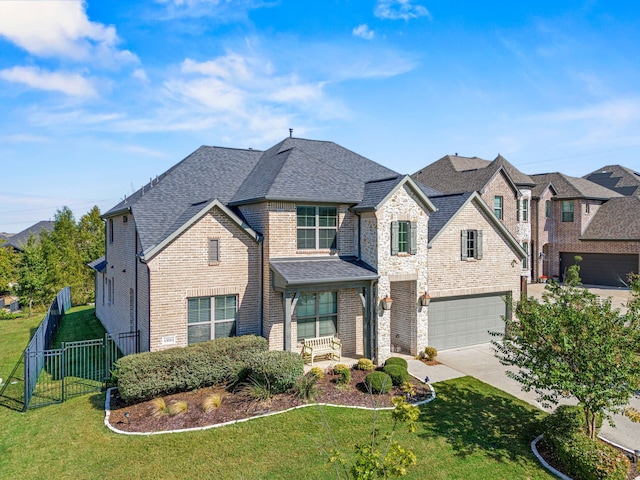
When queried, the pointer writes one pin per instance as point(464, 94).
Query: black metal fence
point(44, 376)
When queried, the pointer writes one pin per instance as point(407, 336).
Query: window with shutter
point(471, 244)
point(214, 251)
point(404, 237)
point(394, 238)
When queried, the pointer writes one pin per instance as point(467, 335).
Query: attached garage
point(463, 321)
point(602, 268)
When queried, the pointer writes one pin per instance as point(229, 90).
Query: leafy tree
point(91, 235)
point(32, 275)
point(389, 460)
point(8, 266)
point(574, 344)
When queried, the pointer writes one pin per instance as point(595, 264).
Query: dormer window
point(317, 228)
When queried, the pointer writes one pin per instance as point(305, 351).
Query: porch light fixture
point(425, 299)
point(386, 303)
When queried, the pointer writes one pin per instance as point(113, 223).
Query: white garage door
point(462, 321)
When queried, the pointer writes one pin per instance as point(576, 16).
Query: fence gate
point(74, 369)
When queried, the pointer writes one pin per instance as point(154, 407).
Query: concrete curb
point(544, 463)
point(107, 415)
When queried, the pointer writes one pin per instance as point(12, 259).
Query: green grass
point(79, 323)
point(471, 431)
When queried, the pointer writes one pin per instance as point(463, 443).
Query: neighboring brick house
point(301, 240)
point(500, 185)
point(617, 178)
point(594, 222)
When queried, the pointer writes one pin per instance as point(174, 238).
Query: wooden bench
point(321, 346)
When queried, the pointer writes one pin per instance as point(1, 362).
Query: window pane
point(225, 329)
point(403, 237)
point(327, 238)
point(328, 326)
point(306, 328)
point(198, 310)
point(471, 243)
point(547, 208)
point(225, 308)
point(327, 216)
point(328, 303)
point(306, 305)
point(199, 333)
point(306, 238)
point(306, 216)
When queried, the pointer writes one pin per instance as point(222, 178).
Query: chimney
point(290, 132)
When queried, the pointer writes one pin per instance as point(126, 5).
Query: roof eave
point(115, 213)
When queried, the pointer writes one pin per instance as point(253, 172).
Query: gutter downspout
point(262, 290)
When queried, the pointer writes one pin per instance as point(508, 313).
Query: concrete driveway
point(480, 362)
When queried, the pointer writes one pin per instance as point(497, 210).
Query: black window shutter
point(394, 238)
point(463, 244)
point(479, 245)
point(413, 238)
point(214, 252)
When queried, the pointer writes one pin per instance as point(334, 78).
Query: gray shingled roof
point(448, 206)
point(618, 178)
point(294, 169)
point(99, 264)
point(19, 240)
point(322, 270)
point(616, 219)
point(573, 187)
point(376, 191)
point(453, 174)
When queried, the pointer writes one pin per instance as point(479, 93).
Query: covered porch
point(327, 296)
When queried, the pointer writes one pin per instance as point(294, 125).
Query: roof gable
point(377, 192)
point(449, 206)
point(574, 187)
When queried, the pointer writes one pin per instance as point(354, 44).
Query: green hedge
point(143, 376)
point(278, 369)
point(398, 374)
point(378, 382)
point(396, 361)
point(581, 457)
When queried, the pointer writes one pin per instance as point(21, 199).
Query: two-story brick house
point(502, 186)
point(593, 222)
point(301, 240)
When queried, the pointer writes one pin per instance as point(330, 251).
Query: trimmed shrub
point(378, 382)
point(143, 376)
point(343, 372)
point(278, 370)
point(581, 457)
point(316, 372)
point(430, 353)
point(398, 374)
point(396, 361)
point(306, 388)
point(365, 365)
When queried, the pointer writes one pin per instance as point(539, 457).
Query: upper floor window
point(567, 211)
point(206, 323)
point(525, 260)
point(317, 228)
point(547, 209)
point(497, 206)
point(111, 230)
point(404, 238)
point(525, 210)
point(587, 207)
point(471, 244)
point(214, 251)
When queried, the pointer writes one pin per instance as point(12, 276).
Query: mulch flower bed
point(236, 405)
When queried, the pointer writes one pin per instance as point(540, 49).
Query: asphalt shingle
point(616, 219)
point(323, 270)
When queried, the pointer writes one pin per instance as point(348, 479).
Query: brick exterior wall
point(182, 271)
point(119, 275)
point(520, 229)
point(403, 317)
point(542, 235)
point(497, 271)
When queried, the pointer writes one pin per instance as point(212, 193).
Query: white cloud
point(71, 84)
point(140, 74)
point(399, 10)
point(363, 31)
point(617, 111)
point(60, 28)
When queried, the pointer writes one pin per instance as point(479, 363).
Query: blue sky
point(96, 97)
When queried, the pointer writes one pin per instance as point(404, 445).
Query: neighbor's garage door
point(602, 268)
point(461, 321)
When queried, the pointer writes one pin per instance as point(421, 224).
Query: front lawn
point(470, 431)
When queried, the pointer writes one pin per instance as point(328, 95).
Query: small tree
point(8, 266)
point(574, 344)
